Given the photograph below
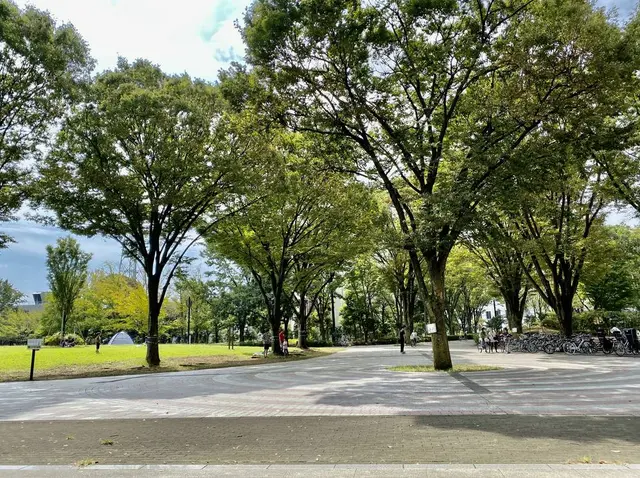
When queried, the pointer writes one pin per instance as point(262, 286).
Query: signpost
point(431, 328)
point(33, 345)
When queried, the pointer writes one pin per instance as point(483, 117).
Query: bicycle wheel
point(500, 347)
point(532, 347)
point(621, 349)
point(586, 348)
point(549, 348)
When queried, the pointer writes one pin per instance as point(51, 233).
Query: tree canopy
point(145, 159)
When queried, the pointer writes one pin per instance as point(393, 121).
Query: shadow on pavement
point(577, 429)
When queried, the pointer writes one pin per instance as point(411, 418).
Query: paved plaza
point(347, 408)
point(353, 382)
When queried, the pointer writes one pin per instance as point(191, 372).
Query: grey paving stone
point(114, 467)
point(353, 382)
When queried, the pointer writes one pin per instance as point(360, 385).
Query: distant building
point(39, 299)
point(494, 308)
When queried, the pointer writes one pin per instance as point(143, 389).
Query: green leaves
point(42, 67)
point(67, 272)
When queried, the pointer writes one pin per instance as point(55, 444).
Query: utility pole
point(189, 318)
point(333, 317)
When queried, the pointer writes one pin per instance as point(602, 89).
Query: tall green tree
point(492, 242)
point(397, 271)
point(622, 159)
point(610, 278)
point(236, 294)
point(67, 267)
point(436, 96)
point(194, 289)
point(365, 309)
point(9, 296)
point(468, 290)
point(309, 220)
point(146, 159)
point(42, 63)
point(556, 224)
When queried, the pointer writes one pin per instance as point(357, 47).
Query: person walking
point(413, 338)
point(98, 339)
point(266, 342)
point(493, 341)
point(507, 341)
point(483, 339)
point(402, 335)
point(281, 339)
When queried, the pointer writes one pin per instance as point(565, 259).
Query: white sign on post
point(34, 344)
point(515, 329)
point(431, 328)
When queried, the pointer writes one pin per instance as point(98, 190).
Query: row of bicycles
point(619, 342)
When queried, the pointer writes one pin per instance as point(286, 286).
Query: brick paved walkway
point(265, 440)
point(354, 382)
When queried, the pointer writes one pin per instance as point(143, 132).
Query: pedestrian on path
point(493, 342)
point(414, 338)
point(266, 342)
point(281, 338)
point(402, 335)
point(98, 339)
point(507, 341)
point(483, 339)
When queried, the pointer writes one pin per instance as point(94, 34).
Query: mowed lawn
point(83, 361)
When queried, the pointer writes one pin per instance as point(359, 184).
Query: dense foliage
point(372, 165)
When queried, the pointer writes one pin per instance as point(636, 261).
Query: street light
point(189, 318)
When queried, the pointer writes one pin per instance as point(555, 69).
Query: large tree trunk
point(441, 354)
point(515, 309)
point(302, 324)
point(63, 326)
point(565, 315)
point(153, 352)
point(241, 326)
point(411, 297)
point(321, 323)
point(275, 317)
point(333, 319)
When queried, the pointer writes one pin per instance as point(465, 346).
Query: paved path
point(338, 410)
point(353, 382)
point(331, 440)
point(333, 471)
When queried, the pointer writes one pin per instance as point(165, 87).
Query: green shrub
point(55, 339)
point(592, 320)
point(476, 338)
point(550, 321)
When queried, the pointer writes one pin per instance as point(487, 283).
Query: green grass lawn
point(463, 367)
point(83, 361)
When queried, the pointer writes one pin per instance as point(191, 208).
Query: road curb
point(325, 467)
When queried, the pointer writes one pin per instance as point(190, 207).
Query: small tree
point(67, 265)
point(9, 296)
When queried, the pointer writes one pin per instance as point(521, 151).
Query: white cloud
point(186, 36)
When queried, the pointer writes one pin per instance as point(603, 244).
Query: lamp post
point(189, 318)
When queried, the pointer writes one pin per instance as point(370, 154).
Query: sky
point(194, 36)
